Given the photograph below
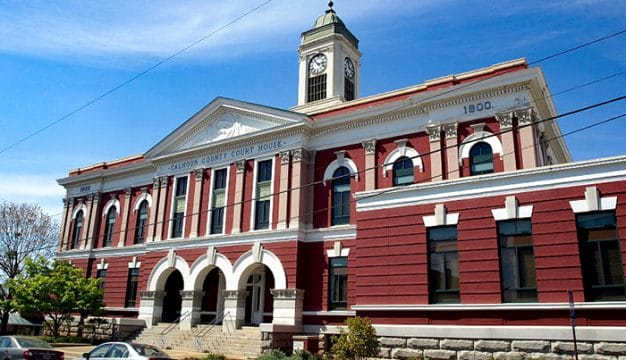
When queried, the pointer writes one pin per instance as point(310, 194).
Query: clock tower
point(329, 71)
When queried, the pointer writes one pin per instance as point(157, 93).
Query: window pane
point(338, 283)
point(341, 197)
point(517, 261)
point(481, 159)
point(443, 264)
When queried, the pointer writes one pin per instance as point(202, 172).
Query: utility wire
point(135, 77)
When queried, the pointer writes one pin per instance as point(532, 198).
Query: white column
point(508, 140)
point(283, 195)
point(197, 199)
point(234, 309)
point(237, 206)
point(434, 135)
point(151, 307)
point(190, 309)
point(370, 164)
point(66, 232)
point(153, 210)
point(91, 232)
point(160, 218)
point(287, 307)
point(125, 214)
point(452, 150)
point(525, 121)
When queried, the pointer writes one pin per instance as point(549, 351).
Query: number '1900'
point(478, 107)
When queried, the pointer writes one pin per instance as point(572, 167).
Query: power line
point(578, 47)
point(135, 77)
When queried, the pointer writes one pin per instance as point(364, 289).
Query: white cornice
point(614, 305)
point(543, 178)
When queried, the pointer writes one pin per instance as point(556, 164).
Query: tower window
point(317, 88)
point(349, 89)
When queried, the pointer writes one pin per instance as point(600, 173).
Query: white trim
point(203, 263)
point(102, 265)
point(330, 313)
point(145, 196)
point(488, 332)
point(399, 152)
point(111, 203)
point(134, 264)
point(338, 251)
point(512, 210)
point(173, 209)
point(593, 202)
point(162, 270)
point(441, 217)
point(614, 305)
point(210, 199)
point(333, 233)
point(254, 188)
point(508, 183)
point(80, 207)
point(336, 164)
point(268, 259)
point(475, 138)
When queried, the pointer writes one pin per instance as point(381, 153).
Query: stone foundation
point(469, 349)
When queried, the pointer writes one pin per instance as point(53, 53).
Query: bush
point(359, 342)
point(273, 355)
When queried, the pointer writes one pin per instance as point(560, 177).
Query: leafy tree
point(359, 342)
point(26, 231)
point(57, 289)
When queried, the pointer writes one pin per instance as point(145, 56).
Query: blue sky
point(56, 56)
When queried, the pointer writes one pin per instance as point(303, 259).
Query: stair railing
point(171, 327)
point(220, 339)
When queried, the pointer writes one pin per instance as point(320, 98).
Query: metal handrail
point(216, 321)
point(222, 338)
point(172, 326)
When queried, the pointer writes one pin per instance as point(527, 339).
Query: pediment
point(222, 121)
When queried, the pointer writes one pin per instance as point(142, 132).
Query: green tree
point(26, 231)
point(359, 342)
point(57, 289)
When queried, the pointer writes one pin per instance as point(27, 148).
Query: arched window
point(403, 171)
point(341, 196)
point(78, 229)
point(481, 159)
point(108, 229)
point(142, 221)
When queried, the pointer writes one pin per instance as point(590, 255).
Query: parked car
point(27, 348)
point(121, 350)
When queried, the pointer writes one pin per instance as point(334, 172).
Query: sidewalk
point(74, 351)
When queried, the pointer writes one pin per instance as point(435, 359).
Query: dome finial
point(330, 6)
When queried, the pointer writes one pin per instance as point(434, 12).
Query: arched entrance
point(172, 301)
point(258, 299)
point(212, 305)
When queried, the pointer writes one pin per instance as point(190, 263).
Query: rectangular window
point(338, 283)
point(180, 202)
point(263, 195)
point(219, 201)
point(349, 89)
point(317, 88)
point(443, 265)
point(600, 256)
point(101, 275)
point(131, 287)
point(517, 261)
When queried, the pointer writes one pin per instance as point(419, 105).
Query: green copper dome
point(329, 24)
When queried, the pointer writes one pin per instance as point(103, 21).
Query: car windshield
point(32, 343)
point(149, 351)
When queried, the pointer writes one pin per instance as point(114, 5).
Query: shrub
point(359, 342)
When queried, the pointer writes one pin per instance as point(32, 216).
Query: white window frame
point(254, 186)
point(210, 199)
point(173, 210)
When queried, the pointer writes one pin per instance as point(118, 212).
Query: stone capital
point(526, 116)
point(505, 119)
point(163, 180)
point(451, 130)
point(198, 173)
point(241, 165)
point(128, 191)
point(284, 157)
point(370, 146)
point(434, 132)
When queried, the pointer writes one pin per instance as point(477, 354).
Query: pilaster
point(234, 309)
point(153, 211)
point(300, 162)
point(91, 232)
point(283, 196)
point(68, 209)
point(197, 196)
point(151, 307)
point(525, 120)
point(237, 206)
point(452, 150)
point(434, 136)
point(370, 164)
point(287, 306)
point(508, 140)
point(125, 214)
point(191, 301)
point(160, 219)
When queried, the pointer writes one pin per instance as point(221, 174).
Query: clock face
point(317, 64)
point(348, 68)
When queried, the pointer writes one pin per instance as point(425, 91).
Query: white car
point(121, 350)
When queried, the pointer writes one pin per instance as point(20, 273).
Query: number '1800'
point(478, 107)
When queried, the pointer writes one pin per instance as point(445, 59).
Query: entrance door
point(172, 301)
point(255, 297)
